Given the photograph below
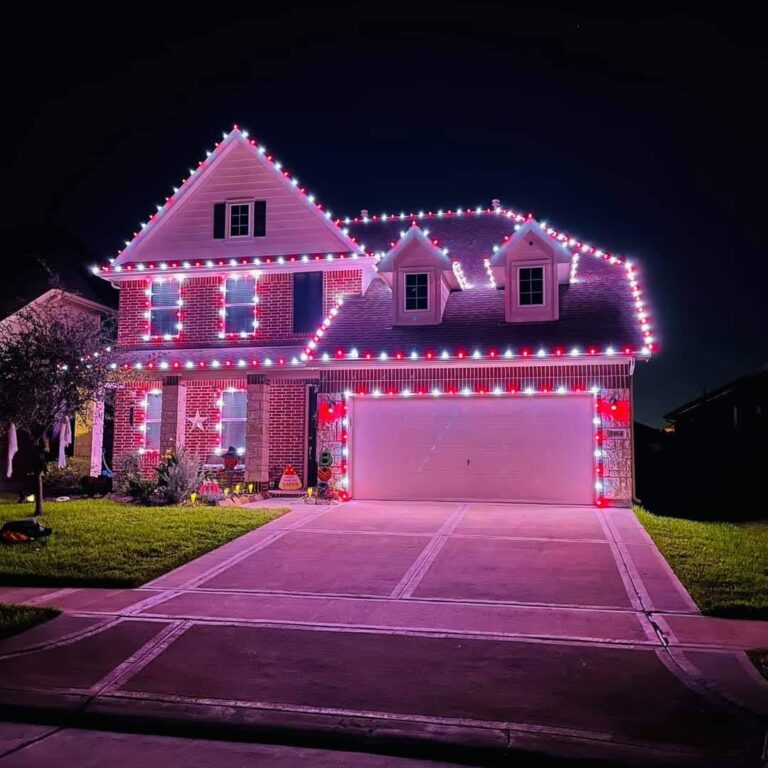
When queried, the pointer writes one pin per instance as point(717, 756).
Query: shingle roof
point(595, 311)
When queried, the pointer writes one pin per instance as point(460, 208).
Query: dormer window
point(416, 291)
point(239, 219)
point(531, 286)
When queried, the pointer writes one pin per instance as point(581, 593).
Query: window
point(233, 415)
point(239, 219)
point(417, 291)
point(152, 413)
point(531, 286)
point(307, 301)
point(238, 311)
point(164, 305)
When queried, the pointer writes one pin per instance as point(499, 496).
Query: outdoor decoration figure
point(290, 481)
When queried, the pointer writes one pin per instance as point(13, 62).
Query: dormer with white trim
point(421, 277)
point(531, 266)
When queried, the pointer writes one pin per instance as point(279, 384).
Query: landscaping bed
point(103, 543)
point(723, 565)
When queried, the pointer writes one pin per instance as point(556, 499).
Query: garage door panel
point(508, 448)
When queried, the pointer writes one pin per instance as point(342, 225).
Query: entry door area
point(536, 448)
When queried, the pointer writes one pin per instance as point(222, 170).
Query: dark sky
point(641, 130)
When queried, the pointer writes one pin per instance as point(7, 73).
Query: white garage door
point(519, 448)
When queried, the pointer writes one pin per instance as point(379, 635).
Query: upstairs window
point(531, 286)
point(233, 417)
point(307, 301)
point(153, 406)
point(239, 219)
point(239, 306)
point(164, 302)
point(246, 218)
point(416, 291)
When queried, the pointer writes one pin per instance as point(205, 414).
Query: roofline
point(59, 294)
point(722, 390)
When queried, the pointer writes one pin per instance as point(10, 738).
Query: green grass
point(759, 658)
point(724, 566)
point(101, 543)
point(18, 618)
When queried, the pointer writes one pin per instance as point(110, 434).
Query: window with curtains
point(164, 303)
point(152, 415)
point(233, 416)
point(239, 301)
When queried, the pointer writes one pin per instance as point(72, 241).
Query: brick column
point(173, 418)
point(257, 430)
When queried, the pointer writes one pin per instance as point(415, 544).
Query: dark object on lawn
point(92, 486)
point(18, 531)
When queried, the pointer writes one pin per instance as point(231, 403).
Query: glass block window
point(152, 414)
point(164, 302)
point(417, 291)
point(239, 219)
point(233, 416)
point(239, 301)
point(531, 286)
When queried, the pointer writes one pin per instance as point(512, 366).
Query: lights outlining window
point(152, 416)
point(233, 417)
point(238, 311)
point(531, 286)
point(239, 219)
point(416, 291)
point(164, 313)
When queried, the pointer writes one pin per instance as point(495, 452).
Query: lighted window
point(164, 308)
point(239, 219)
point(531, 286)
point(233, 416)
point(239, 301)
point(417, 291)
point(152, 414)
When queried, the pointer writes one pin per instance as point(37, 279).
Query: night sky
point(643, 134)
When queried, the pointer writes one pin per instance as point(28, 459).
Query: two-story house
point(457, 354)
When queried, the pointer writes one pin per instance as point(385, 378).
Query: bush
point(66, 481)
point(178, 475)
point(143, 491)
point(127, 473)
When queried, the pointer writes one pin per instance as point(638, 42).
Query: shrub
point(65, 481)
point(143, 491)
point(127, 473)
point(178, 475)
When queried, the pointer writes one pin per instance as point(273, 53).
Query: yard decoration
point(326, 458)
point(290, 481)
point(20, 531)
point(324, 474)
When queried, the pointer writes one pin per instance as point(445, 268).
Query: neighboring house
point(88, 434)
point(464, 354)
point(721, 444)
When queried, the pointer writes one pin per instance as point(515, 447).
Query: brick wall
point(128, 438)
point(202, 302)
point(132, 323)
point(287, 427)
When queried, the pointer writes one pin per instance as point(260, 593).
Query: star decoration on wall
point(197, 421)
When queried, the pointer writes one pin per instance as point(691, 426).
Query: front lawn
point(723, 565)
point(18, 618)
point(101, 543)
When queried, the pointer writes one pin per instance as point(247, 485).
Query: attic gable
point(237, 170)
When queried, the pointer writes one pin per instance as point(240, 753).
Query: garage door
point(536, 448)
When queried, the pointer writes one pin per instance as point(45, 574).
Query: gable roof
point(530, 225)
point(601, 310)
point(268, 167)
point(415, 234)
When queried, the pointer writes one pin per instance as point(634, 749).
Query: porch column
point(173, 415)
point(257, 430)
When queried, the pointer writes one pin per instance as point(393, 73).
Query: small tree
point(54, 361)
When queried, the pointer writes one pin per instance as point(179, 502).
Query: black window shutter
point(307, 301)
point(219, 220)
point(259, 218)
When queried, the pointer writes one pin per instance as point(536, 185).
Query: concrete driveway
point(457, 626)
